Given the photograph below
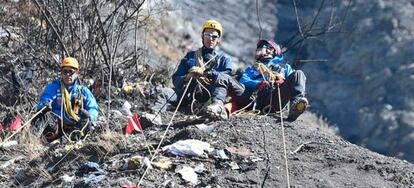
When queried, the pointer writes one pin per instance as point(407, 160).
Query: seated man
point(268, 73)
point(68, 101)
point(209, 71)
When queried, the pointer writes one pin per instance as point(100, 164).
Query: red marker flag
point(133, 125)
point(16, 124)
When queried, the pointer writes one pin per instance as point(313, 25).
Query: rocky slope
point(248, 153)
point(248, 148)
point(365, 87)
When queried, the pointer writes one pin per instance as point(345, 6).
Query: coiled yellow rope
point(67, 104)
point(265, 71)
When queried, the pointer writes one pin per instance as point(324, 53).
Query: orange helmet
point(70, 62)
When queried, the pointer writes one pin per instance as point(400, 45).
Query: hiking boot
point(216, 111)
point(297, 108)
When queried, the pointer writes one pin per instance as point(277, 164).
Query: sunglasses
point(263, 46)
point(68, 72)
point(211, 36)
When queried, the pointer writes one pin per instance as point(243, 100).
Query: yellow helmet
point(212, 24)
point(70, 62)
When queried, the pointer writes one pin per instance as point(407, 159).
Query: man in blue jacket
point(68, 101)
point(210, 71)
point(270, 72)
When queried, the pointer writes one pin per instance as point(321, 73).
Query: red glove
point(279, 81)
point(262, 85)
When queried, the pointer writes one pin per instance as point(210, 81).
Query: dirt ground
point(253, 147)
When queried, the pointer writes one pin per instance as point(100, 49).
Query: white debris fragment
point(189, 147)
point(188, 174)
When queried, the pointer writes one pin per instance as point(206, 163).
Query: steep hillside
point(248, 153)
point(365, 85)
point(245, 151)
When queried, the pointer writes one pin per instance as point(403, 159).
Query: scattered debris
point(8, 144)
point(126, 109)
point(256, 159)
point(205, 128)
point(234, 166)
point(91, 172)
point(148, 119)
point(239, 151)
point(127, 89)
point(200, 168)
point(11, 161)
point(188, 174)
point(163, 163)
point(134, 162)
point(300, 147)
point(220, 154)
point(189, 147)
point(67, 180)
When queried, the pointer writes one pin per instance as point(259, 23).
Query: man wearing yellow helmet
point(208, 66)
point(68, 101)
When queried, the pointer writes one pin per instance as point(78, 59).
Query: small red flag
point(127, 186)
point(133, 125)
point(16, 124)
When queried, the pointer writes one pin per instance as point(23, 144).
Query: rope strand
point(165, 132)
point(283, 137)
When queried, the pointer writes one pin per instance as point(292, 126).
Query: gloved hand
point(194, 71)
point(48, 105)
point(262, 85)
point(280, 79)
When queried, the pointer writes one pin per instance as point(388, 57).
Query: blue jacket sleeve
point(185, 64)
point(90, 104)
point(226, 66)
point(48, 94)
point(247, 79)
point(288, 70)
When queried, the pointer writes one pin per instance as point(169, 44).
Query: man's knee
point(222, 78)
point(299, 74)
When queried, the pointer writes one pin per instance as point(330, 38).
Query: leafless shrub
point(328, 19)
